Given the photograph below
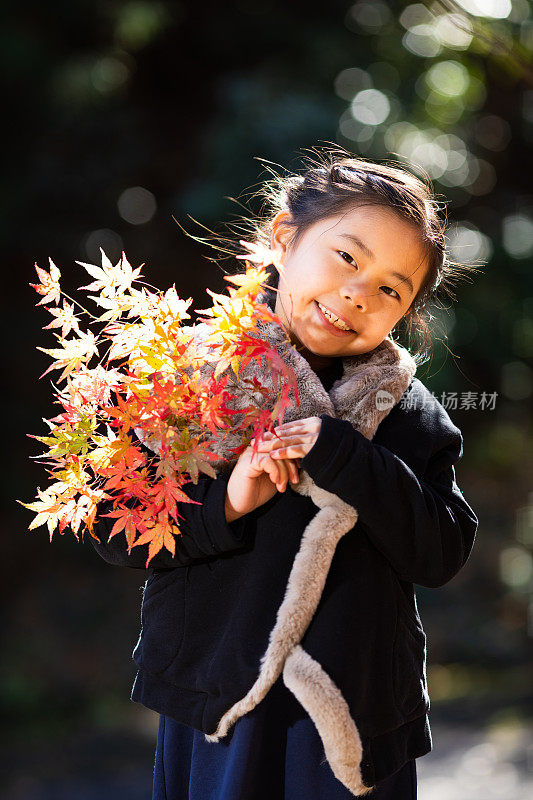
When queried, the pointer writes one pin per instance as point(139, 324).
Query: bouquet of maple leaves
point(144, 376)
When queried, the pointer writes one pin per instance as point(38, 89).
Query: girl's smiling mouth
point(328, 324)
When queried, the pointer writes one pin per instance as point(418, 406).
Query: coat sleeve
point(204, 531)
point(421, 523)
point(203, 528)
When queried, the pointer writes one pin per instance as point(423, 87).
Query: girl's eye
point(347, 257)
point(395, 295)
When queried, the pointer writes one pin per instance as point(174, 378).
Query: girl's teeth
point(334, 320)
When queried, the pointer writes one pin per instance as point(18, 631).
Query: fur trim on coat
point(371, 385)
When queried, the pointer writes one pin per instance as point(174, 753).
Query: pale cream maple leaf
point(117, 306)
point(65, 319)
point(92, 386)
point(173, 306)
point(73, 353)
point(127, 338)
point(49, 285)
point(260, 254)
point(111, 280)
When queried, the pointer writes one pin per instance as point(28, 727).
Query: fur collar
point(371, 384)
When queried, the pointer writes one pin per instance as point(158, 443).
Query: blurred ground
point(466, 763)
point(469, 764)
point(84, 762)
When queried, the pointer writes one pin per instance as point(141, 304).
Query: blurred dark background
point(119, 115)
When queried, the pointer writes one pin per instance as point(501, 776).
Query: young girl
point(358, 247)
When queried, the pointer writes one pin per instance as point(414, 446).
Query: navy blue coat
point(207, 613)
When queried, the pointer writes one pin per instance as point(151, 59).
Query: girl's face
point(364, 266)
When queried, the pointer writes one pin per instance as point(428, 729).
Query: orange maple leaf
point(126, 521)
point(160, 535)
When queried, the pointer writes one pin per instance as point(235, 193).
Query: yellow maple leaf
point(110, 453)
point(249, 282)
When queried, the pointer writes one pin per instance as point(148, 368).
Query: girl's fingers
point(295, 451)
point(283, 475)
point(275, 472)
point(280, 472)
point(293, 475)
point(296, 447)
point(267, 436)
point(274, 444)
point(309, 424)
point(295, 478)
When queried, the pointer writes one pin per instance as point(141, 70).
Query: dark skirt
point(272, 753)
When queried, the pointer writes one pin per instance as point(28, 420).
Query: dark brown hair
point(331, 182)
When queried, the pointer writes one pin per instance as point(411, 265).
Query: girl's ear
point(281, 235)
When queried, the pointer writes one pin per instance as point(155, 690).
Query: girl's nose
point(358, 296)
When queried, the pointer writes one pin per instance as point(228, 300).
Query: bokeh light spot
point(109, 74)
point(371, 107)
point(448, 78)
point(518, 235)
point(449, 30)
point(106, 239)
point(137, 205)
point(493, 132)
point(467, 244)
point(139, 23)
point(415, 14)
point(516, 566)
point(421, 41)
point(368, 15)
point(431, 156)
point(350, 81)
point(495, 9)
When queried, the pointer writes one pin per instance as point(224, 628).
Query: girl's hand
point(255, 480)
point(293, 439)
